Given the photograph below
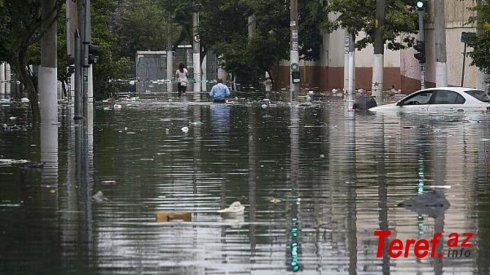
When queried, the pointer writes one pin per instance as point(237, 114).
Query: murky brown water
point(315, 187)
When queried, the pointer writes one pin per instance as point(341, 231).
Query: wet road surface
point(315, 186)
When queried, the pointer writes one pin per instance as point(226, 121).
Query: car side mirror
point(399, 103)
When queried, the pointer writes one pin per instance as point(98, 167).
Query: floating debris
point(235, 209)
point(185, 129)
point(33, 165)
point(99, 197)
point(173, 216)
point(5, 162)
point(431, 203)
point(108, 182)
point(274, 200)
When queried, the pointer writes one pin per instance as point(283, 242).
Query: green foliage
point(480, 43)
point(360, 16)
point(145, 25)
point(311, 17)
point(113, 63)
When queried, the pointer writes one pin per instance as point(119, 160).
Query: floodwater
point(314, 184)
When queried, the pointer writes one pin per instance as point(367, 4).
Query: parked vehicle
point(439, 100)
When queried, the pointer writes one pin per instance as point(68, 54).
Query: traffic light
point(70, 65)
point(93, 54)
point(420, 48)
point(421, 4)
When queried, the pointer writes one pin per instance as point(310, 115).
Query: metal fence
point(151, 70)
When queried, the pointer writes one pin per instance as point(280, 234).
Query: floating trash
point(100, 197)
point(117, 107)
point(235, 209)
point(12, 161)
point(185, 129)
point(33, 165)
point(173, 216)
point(108, 182)
point(274, 200)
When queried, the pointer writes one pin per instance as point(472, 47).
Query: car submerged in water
point(439, 100)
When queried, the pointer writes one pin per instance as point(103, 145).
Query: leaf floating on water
point(274, 200)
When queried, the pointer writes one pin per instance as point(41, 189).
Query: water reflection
point(315, 186)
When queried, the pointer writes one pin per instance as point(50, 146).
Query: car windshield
point(479, 94)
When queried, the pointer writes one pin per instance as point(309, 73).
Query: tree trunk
point(29, 86)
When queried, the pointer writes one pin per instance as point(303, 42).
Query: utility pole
point(421, 6)
point(48, 74)
point(294, 54)
point(196, 52)
point(252, 26)
point(422, 40)
point(170, 61)
point(440, 39)
point(378, 68)
point(70, 44)
point(79, 61)
point(88, 40)
point(351, 84)
point(85, 63)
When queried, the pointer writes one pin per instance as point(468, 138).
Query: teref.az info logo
point(458, 246)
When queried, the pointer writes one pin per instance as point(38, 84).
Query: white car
point(439, 100)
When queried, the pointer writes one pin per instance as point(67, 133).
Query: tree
point(360, 16)
point(20, 22)
point(144, 25)
point(481, 43)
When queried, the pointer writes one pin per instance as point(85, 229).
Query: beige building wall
point(402, 70)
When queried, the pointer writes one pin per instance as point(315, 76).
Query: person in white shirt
point(182, 80)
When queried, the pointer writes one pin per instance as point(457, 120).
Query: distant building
point(401, 68)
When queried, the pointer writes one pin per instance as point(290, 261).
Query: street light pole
point(421, 39)
point(196, 52)
point(294, 54)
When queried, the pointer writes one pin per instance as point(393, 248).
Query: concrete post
point(2, 78)
point(440, 43)
point(378, 66)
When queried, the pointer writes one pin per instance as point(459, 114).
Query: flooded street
point(315, 186)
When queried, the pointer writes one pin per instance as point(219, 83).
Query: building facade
point(401, 69)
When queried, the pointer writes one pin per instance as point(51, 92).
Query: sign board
point(295, 77)
point(466, 35)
